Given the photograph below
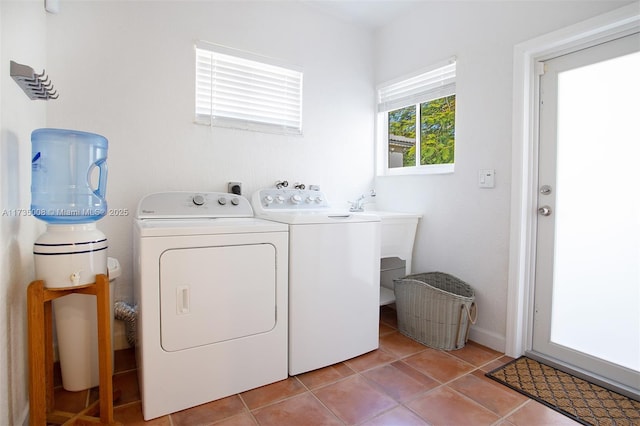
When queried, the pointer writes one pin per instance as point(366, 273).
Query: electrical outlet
point(235, 188)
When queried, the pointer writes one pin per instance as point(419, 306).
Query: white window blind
point(235, 91)
point(426, 86)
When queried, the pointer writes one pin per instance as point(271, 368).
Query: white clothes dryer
point(334, 277)
point(210, 286)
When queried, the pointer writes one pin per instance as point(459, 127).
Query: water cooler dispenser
point(69, 176)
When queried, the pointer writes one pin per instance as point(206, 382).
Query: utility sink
point(398, 232)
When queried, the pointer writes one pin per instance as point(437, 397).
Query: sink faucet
point(358, 204)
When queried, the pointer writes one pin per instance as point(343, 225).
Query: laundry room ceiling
point(368, 13)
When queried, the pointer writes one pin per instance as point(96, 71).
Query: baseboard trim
point(487, 338)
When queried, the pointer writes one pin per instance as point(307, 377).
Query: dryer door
point(214, 294)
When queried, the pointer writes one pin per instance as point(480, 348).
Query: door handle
point(182, 300)
point(544, 210)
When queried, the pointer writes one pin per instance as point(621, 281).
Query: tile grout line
point(398, 403)
point(244, 403)
point(327, 408)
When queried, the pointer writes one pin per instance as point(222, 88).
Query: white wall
point(126, 70)
point(22, 35)
point(465, 229)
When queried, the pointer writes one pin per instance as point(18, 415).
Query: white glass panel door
point(587, 290)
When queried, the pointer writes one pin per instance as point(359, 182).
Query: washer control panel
point(282, 199)
point(181, 204)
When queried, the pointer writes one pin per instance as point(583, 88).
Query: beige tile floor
point(401, 383)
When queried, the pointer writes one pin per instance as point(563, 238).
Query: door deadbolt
point(545, 190)
point(544, 210)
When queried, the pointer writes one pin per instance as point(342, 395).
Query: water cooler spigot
point(75, 278)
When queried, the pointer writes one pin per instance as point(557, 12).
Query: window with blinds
point(416, 119)
point(239, 90)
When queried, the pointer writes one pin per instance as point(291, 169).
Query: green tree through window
point(437, 132)
point(402, 122)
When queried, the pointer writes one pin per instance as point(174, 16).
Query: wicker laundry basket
point(436, 309)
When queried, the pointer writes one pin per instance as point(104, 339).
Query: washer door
point(213, 294)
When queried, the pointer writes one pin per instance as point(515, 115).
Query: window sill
point(435, 169)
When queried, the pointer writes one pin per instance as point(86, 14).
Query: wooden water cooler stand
point(41, 397)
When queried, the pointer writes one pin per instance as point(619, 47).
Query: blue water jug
point(68, 176)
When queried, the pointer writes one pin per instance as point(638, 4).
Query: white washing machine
point(211, 291)
point(334, 277)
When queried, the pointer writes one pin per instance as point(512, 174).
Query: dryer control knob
point(235, 201)
point(198, 200)
point(279, 199)
point(268, 199)
point(222, 201)
point(296, 199)
point(310, 199)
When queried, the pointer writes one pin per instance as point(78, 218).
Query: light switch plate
point(487, 178)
